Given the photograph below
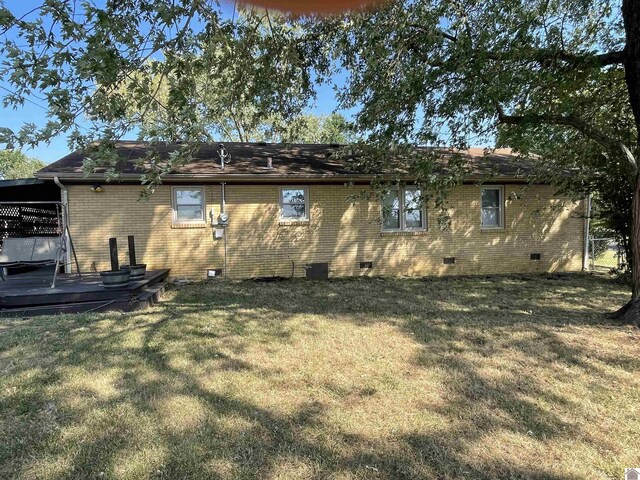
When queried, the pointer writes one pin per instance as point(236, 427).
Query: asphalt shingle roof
point(305, 160)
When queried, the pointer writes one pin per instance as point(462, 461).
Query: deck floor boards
point(35, 289)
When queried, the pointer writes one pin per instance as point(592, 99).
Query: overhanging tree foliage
point(242, 88)
point(227, 112)
point(559, 78)
point(91, 65)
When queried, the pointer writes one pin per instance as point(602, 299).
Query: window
point(294, 203)
point(402, 209)
point(491, 214)
point(188, 204)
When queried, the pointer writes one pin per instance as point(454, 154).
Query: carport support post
point(113, 252)
point(132, 250)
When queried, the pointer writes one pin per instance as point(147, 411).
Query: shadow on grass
point(159, 393)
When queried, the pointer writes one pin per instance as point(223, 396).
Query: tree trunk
point(631, 17)
point(630, 313)
point(635, 241)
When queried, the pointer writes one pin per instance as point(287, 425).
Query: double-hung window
point(403, 209)
point(492, 209)
point(294, 204)
point(188, 204)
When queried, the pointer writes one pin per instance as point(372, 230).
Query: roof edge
point(19, 182)
point(257, 178)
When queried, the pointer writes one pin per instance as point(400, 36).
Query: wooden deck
point(31, 294)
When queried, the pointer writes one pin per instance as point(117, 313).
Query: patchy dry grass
point(497, 378)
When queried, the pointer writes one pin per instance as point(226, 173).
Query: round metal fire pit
point(137, 271)
point(115, 278)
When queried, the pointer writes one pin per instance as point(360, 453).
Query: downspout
point(585, 255)
point(222, 207)
point(64, 198)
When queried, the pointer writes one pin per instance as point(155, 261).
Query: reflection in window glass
point(491, 210)
point(188, 212)
point(391, 210)
point(188, 197)
point(188, 205)
point(293, 204)
point(402, 209)
point(412, 209)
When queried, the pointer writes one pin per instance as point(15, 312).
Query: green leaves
point(168, 71)
point(436, 72)
point(543, 77)
point(15, 164)
point(417, 68)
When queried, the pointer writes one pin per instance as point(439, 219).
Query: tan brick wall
point(338, 232)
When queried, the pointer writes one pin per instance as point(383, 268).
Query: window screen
point(294, 203)
point(402, 209)
point(188, 204)
point(491, 214)
point(391, 211)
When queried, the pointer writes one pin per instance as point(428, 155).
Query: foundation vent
point(214, 273)
point(317, 271)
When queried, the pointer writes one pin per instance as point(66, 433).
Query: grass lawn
point(607, 260)
point(480, 378)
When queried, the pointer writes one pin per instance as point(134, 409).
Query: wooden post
point(113, 252)
point(132, 250)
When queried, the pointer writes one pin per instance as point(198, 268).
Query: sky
point(34, 111)
point(14, 119)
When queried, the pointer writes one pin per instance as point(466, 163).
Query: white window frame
point(500, 189)
point(174, 204)
point(401, 199)
point(306, 203)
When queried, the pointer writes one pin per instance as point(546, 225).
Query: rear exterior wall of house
point(339, 232)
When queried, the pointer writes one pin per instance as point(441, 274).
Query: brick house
point(290, 212)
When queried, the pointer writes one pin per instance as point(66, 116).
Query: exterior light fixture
point(96, 187)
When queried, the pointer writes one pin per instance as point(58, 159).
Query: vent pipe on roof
point(269, 162)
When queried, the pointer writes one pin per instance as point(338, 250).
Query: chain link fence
point(605, 254)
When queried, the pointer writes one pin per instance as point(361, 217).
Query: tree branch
point(544, 56)
point(569, 120)
point(541, 55)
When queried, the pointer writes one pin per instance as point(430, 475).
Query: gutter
point(587, 221)
point(254, 178)
point(205, 177)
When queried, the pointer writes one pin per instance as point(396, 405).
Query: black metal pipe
point(132, 250)
point(113, 252)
